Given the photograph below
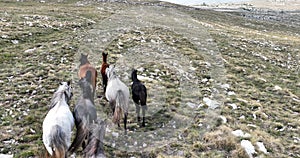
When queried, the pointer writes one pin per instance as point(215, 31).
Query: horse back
point(139, 92)
point(83, 70)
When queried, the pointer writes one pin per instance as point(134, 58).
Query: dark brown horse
point(103, 68)
point(84, 67)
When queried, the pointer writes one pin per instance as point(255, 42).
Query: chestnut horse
point(84, 67)
point(103, 68)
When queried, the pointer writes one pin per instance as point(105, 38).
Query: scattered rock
point(254, 116)
point(277, 88)
point(249, 148)
point(204, 80)
point(191, 105)
point(224, 119)
point(240, 133)
point(6, 156)
point(15, 41)
point(144, 145)
point(225, 86)
point(234, 106)
point(252, 126)
point(30, 50)
point(211, 103)
point(115, 134)
point(296, 139)
point(261, 147)
point(231, 93)
point(142, 78)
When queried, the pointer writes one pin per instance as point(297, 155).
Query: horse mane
point(58, 96)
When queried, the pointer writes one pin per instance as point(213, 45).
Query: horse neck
point(104, 59)
point(87, 93)
point(58, 98)
point(113, 76)
point(134, 78)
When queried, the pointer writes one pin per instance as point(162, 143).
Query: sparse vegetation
point(39, 43)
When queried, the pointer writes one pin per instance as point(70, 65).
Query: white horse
point(117, 93)
point(59, 122)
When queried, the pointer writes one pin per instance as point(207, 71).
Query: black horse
point(139, 96)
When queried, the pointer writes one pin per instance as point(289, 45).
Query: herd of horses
point(90, 129)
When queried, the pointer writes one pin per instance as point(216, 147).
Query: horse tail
point(81, 133)
point(143, 97)
point(95, 147)
point(120, 103)
point(58, 142)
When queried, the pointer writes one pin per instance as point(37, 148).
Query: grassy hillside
point(248, 67)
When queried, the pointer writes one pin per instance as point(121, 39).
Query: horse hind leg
point(137, 108)
point(144, 108)
point(125, 122)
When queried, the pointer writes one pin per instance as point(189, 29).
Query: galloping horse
point(95, 148)
point(84, 67)
point(103, 68)
point(139, 96)
point(58, 123)
point(84, 114)
point(117, 93)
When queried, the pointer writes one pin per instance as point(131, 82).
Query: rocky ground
point(221, 84)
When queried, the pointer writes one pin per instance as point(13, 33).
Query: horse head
point(110, 72)
point(83, 59)
point(134, 75)
point(104, 57)
point(67, 89)
point(64, 88)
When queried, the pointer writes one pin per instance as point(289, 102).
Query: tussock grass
point(39, 43)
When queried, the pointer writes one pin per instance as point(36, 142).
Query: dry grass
point(260, 61)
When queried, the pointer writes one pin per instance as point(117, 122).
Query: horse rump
point(119, 107)
point(143, 97)
point(58, 143)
